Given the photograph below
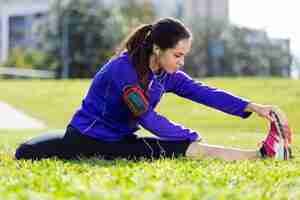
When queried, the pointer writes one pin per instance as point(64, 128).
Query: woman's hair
point(165, 33)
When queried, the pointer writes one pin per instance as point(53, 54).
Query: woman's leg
point(70, 145)
point(155, 148)
point(66, 146)
point(44, 146)
point(73, 145)
point(131, 147)
point(200, 151)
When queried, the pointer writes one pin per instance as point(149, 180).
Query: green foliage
point(30, 59)
point(138, 12)
point(247, 51)
point(84, 34)
point(199, 62)
point(55, 102)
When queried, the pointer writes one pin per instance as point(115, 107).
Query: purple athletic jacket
point(104, 115)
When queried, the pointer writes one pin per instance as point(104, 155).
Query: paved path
point(10, 118)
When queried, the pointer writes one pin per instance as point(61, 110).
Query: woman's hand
point(262, 110)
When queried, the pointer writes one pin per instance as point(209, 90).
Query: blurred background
point(74, 38)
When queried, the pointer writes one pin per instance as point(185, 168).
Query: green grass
point(54, 102)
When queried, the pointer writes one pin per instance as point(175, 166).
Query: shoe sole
point(287, 152)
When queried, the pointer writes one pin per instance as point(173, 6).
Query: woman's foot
point(277, 143)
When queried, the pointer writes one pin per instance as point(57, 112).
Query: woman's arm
point(184, 86)
point(138, 104)
point(262, 110)
point(164, 128)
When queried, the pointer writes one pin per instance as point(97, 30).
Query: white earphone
point(156, 50)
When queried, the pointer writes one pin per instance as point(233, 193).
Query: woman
point(124, 94)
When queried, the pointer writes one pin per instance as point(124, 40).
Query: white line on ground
point(10, 118)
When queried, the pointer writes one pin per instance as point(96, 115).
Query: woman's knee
point(43, 146)
point(24, 151)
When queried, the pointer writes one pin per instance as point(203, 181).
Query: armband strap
point(135, 99)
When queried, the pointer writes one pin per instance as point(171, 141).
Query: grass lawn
point(54, 102)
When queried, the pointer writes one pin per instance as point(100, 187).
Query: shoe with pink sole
point(278, 141)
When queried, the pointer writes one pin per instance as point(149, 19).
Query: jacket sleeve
point(164, 128)
point(183, 85)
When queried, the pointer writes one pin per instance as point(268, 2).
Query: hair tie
point(146, 41)
point(150, 26)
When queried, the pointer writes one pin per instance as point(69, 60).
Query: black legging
point(73, 145)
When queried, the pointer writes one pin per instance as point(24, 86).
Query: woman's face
point(172, 59)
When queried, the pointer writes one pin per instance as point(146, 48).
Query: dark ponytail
point(165, 33)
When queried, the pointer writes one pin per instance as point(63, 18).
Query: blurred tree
point(229, 50)
point(195, 63)
point(138, 11)
point(81, 35)
point(30, 58)
point(207, 54)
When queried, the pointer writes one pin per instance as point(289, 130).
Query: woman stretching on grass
point(124, 94)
